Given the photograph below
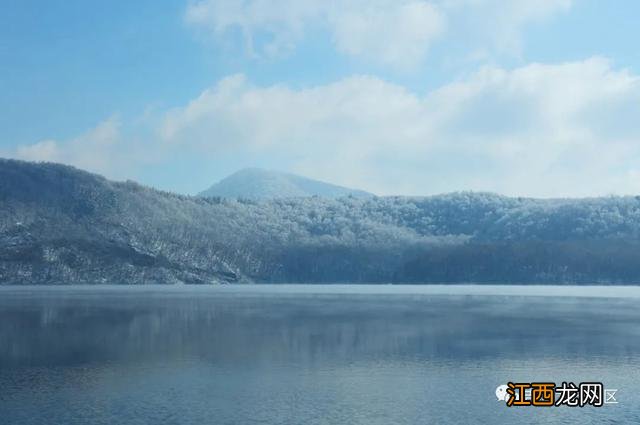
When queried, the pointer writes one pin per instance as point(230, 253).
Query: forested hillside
point(60, 225)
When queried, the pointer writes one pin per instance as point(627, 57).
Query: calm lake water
point(311, 354)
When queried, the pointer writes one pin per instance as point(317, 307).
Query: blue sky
point(415, 97)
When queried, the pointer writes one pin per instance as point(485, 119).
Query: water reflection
point(301, 358)
point(224, 328)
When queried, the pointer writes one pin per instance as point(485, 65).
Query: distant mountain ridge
point(257, 183)
point(61, 225)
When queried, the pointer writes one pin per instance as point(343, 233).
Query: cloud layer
point(545, 130)
point(567, 129)
point(98, 150)
point(395, 33)
point(540, 129)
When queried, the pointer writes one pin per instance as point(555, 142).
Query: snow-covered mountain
point(256, 183)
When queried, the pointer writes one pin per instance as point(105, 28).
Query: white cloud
point(497, 25)
point(567, 129)
point(392, 32)
point(100, 150)
point(282, 22)
point(544, 130)
point(353, 110)
point(396, 33)
point(46, 150)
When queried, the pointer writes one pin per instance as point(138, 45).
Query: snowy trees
point(77, 225)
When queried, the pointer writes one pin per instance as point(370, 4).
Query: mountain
point(61, 225)
point(256, 183)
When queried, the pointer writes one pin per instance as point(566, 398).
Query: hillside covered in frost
point(61, 225)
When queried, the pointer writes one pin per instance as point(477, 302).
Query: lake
point(329, 354)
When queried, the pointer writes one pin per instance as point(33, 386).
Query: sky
point(410, 97)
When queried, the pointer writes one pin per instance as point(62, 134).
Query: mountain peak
point(258, 183)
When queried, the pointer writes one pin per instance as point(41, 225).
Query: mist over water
point(312, 355)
